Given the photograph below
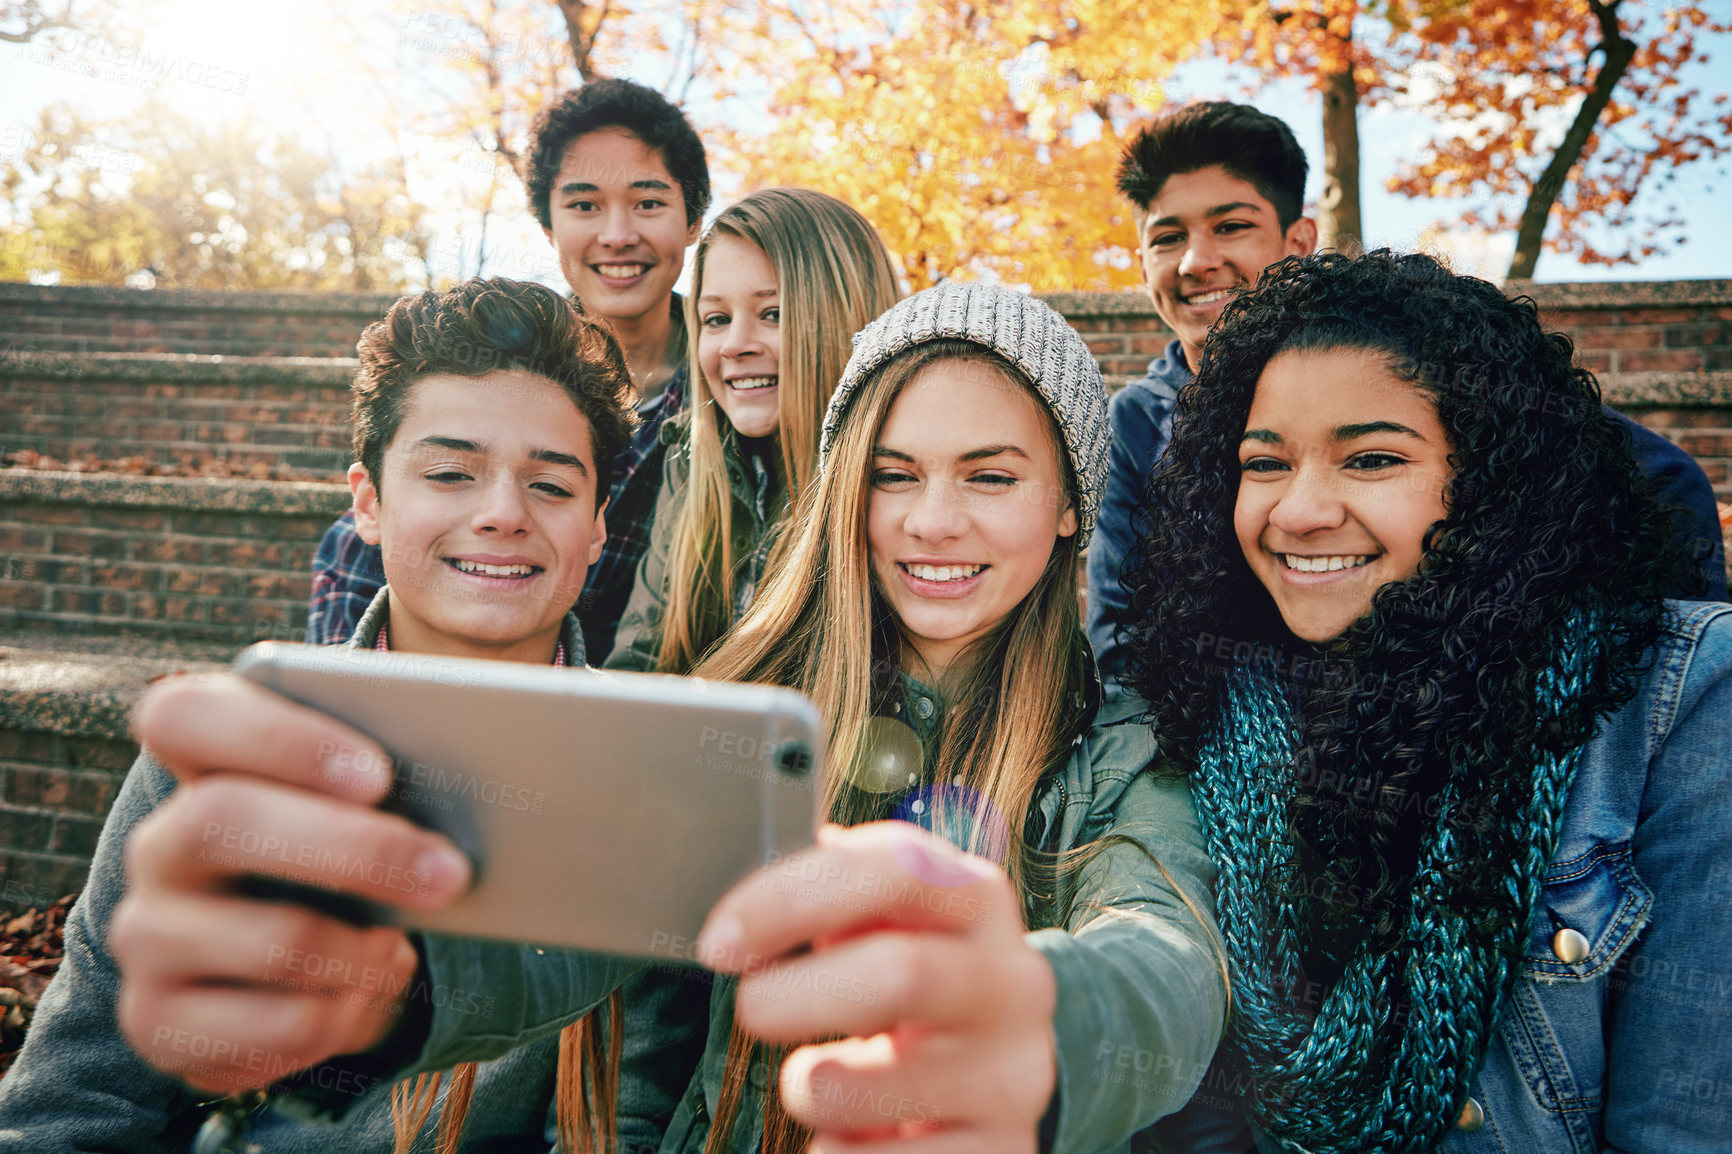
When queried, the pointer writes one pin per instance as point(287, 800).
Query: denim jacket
point(1141, 996)
point(759, 502)
point(78, 1085)
point(1628, 1046)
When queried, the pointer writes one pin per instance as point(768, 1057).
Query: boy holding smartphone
point(486, 421)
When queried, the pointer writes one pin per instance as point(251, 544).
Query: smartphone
point(601, 810)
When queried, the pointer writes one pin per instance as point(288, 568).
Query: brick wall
point(280, 417)
point(57, 792)
point(1662, 351)
point(188, 559)
point(64, 750)
point(78, 319)
point(89, 560)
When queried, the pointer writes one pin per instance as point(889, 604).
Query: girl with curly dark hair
point(1466, 776)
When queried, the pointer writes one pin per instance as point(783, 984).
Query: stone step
point(65, 748)
point(79, 319)
point(283, 417)
point(198, 559)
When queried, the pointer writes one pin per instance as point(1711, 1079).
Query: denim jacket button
point(1570, 946)
point(1472, 1116)
point(923, 707)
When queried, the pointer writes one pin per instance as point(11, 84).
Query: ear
point(548, 233)
point(692, 231)
point(1138, 250)
point(598, 534)
point(1302, 237)
point(366, 503)
point(1067, 521)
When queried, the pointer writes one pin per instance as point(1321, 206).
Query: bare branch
point(1618, 50)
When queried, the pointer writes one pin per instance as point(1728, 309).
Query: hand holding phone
point(600, 810)
point(228, 993)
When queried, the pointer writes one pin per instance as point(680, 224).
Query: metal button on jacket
point(1472, 1116)
point(1570, 946)
point(923, 707)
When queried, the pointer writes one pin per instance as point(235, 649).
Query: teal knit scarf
point(1359, 1076)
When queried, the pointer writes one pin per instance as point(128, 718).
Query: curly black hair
point(1546, 518)
point(614, 103)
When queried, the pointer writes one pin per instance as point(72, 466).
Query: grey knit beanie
point(1024, 332)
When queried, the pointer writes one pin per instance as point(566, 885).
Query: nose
point(618, 227)
point(1201, 255)
point(743, 339)
point(1309, 502)
point(937, 514)
point(503, 507)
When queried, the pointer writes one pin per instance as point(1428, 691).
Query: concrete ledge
point(1561, 296)
point(1129, 303)
point(338, 373)
point(1623, 294)
point(1634, 390)
point(204, 494)
point(193, 300)
point(1711, 389)
point(80, 694)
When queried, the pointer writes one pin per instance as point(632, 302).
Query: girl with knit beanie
point(1466, 777)
point(1025, 958)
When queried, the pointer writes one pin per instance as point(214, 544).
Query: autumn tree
point(1556, 112)
point(1614, 72)
point(192, 205)
point(980, 138)
point(461, 88)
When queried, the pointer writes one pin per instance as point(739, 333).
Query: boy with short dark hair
point(618, 180)
point(485, 423)
point(1220, 191)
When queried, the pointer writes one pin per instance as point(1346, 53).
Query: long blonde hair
point(834, 275)
point(819, 625)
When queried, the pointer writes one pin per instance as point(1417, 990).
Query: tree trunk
point(1619, 50)
point(1338, 224)
point(582, 40)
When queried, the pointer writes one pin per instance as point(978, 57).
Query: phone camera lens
point(794, 757)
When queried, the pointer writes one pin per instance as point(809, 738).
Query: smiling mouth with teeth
point(483, 570)
point(1324, 564)
point(1213, 296)
point(621, 271)
point(748, 384)
point(940, 572)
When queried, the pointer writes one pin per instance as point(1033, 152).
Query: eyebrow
point(549, 456)
point(979, 454)
point(1339, 433)
point(1218, 210)
point(584, 186)
point(769, 292)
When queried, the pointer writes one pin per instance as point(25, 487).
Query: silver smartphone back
point(602, 810)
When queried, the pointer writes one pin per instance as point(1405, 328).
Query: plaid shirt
point(347, 571)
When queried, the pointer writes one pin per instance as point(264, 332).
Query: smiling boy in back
point(486, 423)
